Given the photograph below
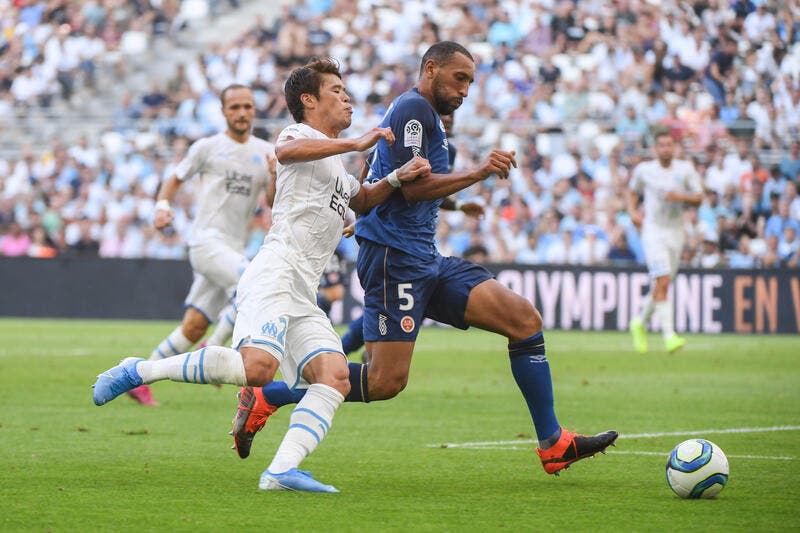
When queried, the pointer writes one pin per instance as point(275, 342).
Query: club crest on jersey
point(382, 324)
point(412, 134)
point(407, 324)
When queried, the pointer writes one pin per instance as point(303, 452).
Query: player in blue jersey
point(405, 279)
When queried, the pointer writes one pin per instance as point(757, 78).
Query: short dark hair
point(307, 80)
point(661, 131)
point(231, 87)
point(442, 52)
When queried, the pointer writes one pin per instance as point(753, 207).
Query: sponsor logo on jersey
point(412, 135)
point(407, 324)
point(340, 199)
point(236, 183)
point(382, 328)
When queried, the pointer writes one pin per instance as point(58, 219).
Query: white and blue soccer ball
point(697, 468)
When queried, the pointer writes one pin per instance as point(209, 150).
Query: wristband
point(163, 205)
point(393, 180)
point(459, 205)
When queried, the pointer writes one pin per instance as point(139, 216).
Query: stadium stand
point(102, 98)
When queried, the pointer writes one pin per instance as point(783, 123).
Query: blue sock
point(353, 338)
point(279, 394)
point(532, 373)
point(358, 383)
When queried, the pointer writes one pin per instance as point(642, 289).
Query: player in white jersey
point(669, 185)
point(279, 325)
point(234, 170)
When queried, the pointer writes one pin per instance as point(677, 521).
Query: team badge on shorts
point(407, 324)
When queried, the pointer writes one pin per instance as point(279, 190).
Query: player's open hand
point(416, 167)
point(499, 162)
point(162, 218)
point(369, 139)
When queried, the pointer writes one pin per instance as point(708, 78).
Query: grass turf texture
point(69, 465)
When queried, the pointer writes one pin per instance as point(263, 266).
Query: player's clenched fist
point(499, 162)
point(162, 218)
point(369, 139)
point(416, 167)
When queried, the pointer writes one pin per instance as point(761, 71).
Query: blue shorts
point(400, 290)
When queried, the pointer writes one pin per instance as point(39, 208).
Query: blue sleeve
point(412, 123)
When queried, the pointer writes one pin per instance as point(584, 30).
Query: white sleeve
point(695, 182)
point(637, 179)
point(295, 131)
point(355, 185)
point(193, 160)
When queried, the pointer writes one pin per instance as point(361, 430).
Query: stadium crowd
point(575, 87)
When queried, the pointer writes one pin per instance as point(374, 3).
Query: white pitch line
point(700, 432)
point(666, 454)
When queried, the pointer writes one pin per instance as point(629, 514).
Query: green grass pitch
point(453, 452)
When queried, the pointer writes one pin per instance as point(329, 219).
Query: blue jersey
point(396, 223)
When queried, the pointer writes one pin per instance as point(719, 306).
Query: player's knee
point(194, 328)
point(258, 369)
point(383, 387)
point(339, 380)
point(525, 320)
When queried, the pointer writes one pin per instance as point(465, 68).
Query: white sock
point(213, 364)
point(308, 425)
point(648, 309)
point(174, 344)
point(664, 313)
point(224, 328)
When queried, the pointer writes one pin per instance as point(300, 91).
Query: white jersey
point(311, 202)
point(654, 181)
point(232, 175)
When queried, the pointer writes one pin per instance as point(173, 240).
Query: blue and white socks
point(212, 364)
point(174, 344)
point(308, 425)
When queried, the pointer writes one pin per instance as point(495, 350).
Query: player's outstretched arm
point(164, 215)
point(499, 163)
point(372, 194)
point(471, 209)
point(294, 150)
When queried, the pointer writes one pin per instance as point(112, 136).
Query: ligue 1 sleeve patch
point(412, 135)
point(407, 324)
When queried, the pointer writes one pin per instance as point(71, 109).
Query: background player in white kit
point(279, 324)
point(668, 185)
point(234, 169)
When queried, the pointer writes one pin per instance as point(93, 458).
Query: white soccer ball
point(697, 468)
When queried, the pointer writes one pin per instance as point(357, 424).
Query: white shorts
point(662, 252)
point(276, 314)
point(217, 268)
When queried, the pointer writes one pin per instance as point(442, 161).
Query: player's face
point(665, 149)
point(451, 83)
point(333, 98)
point(239, 109)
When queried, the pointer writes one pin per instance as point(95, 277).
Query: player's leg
point(212, 364)
point(658, 265)
point(353, 338)
point(318, 357)
point(672, 342)
point(224, 328)
point(494, 307)
point(192, 328)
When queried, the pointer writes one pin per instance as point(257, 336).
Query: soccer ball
point(697, 468)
